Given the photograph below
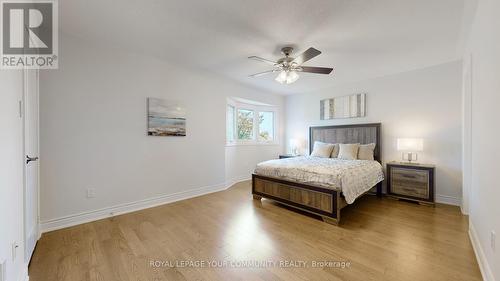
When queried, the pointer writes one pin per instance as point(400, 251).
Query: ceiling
point(359, 39)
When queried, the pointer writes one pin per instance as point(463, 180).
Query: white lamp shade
point(287, 77)
point(292, 77)
point(410, 144)
point(281, 78)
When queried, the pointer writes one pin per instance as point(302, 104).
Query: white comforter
point(352, 177)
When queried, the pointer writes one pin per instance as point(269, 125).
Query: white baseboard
point(24, 275)
point(480, 256)
point(85, 217)
point(463, 210)
point(449, 200)
point(236, 180)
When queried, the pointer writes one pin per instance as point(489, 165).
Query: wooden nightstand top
point(410, 165)
point(282, 156)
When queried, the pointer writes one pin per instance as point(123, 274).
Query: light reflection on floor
point(245, 236)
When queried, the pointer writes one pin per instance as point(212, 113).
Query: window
point(250, 123)
point(244, 124)
point(266, 126)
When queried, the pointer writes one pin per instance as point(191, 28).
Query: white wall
point(484, 49)
point(93, 131)
point(241, 160)
point(11, 174)
point(422, 103)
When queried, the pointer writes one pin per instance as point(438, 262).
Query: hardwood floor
point(381, 239)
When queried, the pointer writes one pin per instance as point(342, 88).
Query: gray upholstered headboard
point(356, 133)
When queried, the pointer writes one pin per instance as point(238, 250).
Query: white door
point(31, 183)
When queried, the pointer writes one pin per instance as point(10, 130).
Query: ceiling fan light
point(289, 66)
point(282, 77)
point(292, 77)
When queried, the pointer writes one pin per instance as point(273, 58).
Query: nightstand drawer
point(410, 184)
point(410, 175)
point(410, 190)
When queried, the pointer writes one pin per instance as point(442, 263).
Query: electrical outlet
point(493, 238)
point(90, 192)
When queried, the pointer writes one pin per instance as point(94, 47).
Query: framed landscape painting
point(166, 118)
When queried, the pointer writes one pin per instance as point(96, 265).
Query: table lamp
point(409, 148)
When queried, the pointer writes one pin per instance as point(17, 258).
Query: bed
point(322, 186)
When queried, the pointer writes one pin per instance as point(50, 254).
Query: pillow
point(322, 149)
point(335, 151)
point(366, 151)
point(348, 151)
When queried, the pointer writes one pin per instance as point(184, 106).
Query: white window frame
point(234, 123)
point(256, 109)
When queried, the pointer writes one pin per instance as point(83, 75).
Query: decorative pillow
point(348, 151)
point(366, 151)
point(335, 151)
point(322, 149)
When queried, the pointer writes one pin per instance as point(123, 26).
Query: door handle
point(29, 159)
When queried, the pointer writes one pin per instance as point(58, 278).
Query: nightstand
point(411, 181)
point(283, 156)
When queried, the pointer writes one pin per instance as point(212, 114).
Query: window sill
point(253, 144)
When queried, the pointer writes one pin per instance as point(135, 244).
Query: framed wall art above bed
point(351, 106)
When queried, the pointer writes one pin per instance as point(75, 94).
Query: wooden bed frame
point(315, 199)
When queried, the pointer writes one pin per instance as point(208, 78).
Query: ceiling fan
point(289, 66)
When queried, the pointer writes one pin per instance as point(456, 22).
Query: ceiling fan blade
point(307, 55)
point(262, 60)
point(318, 70)
point(262, 73)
